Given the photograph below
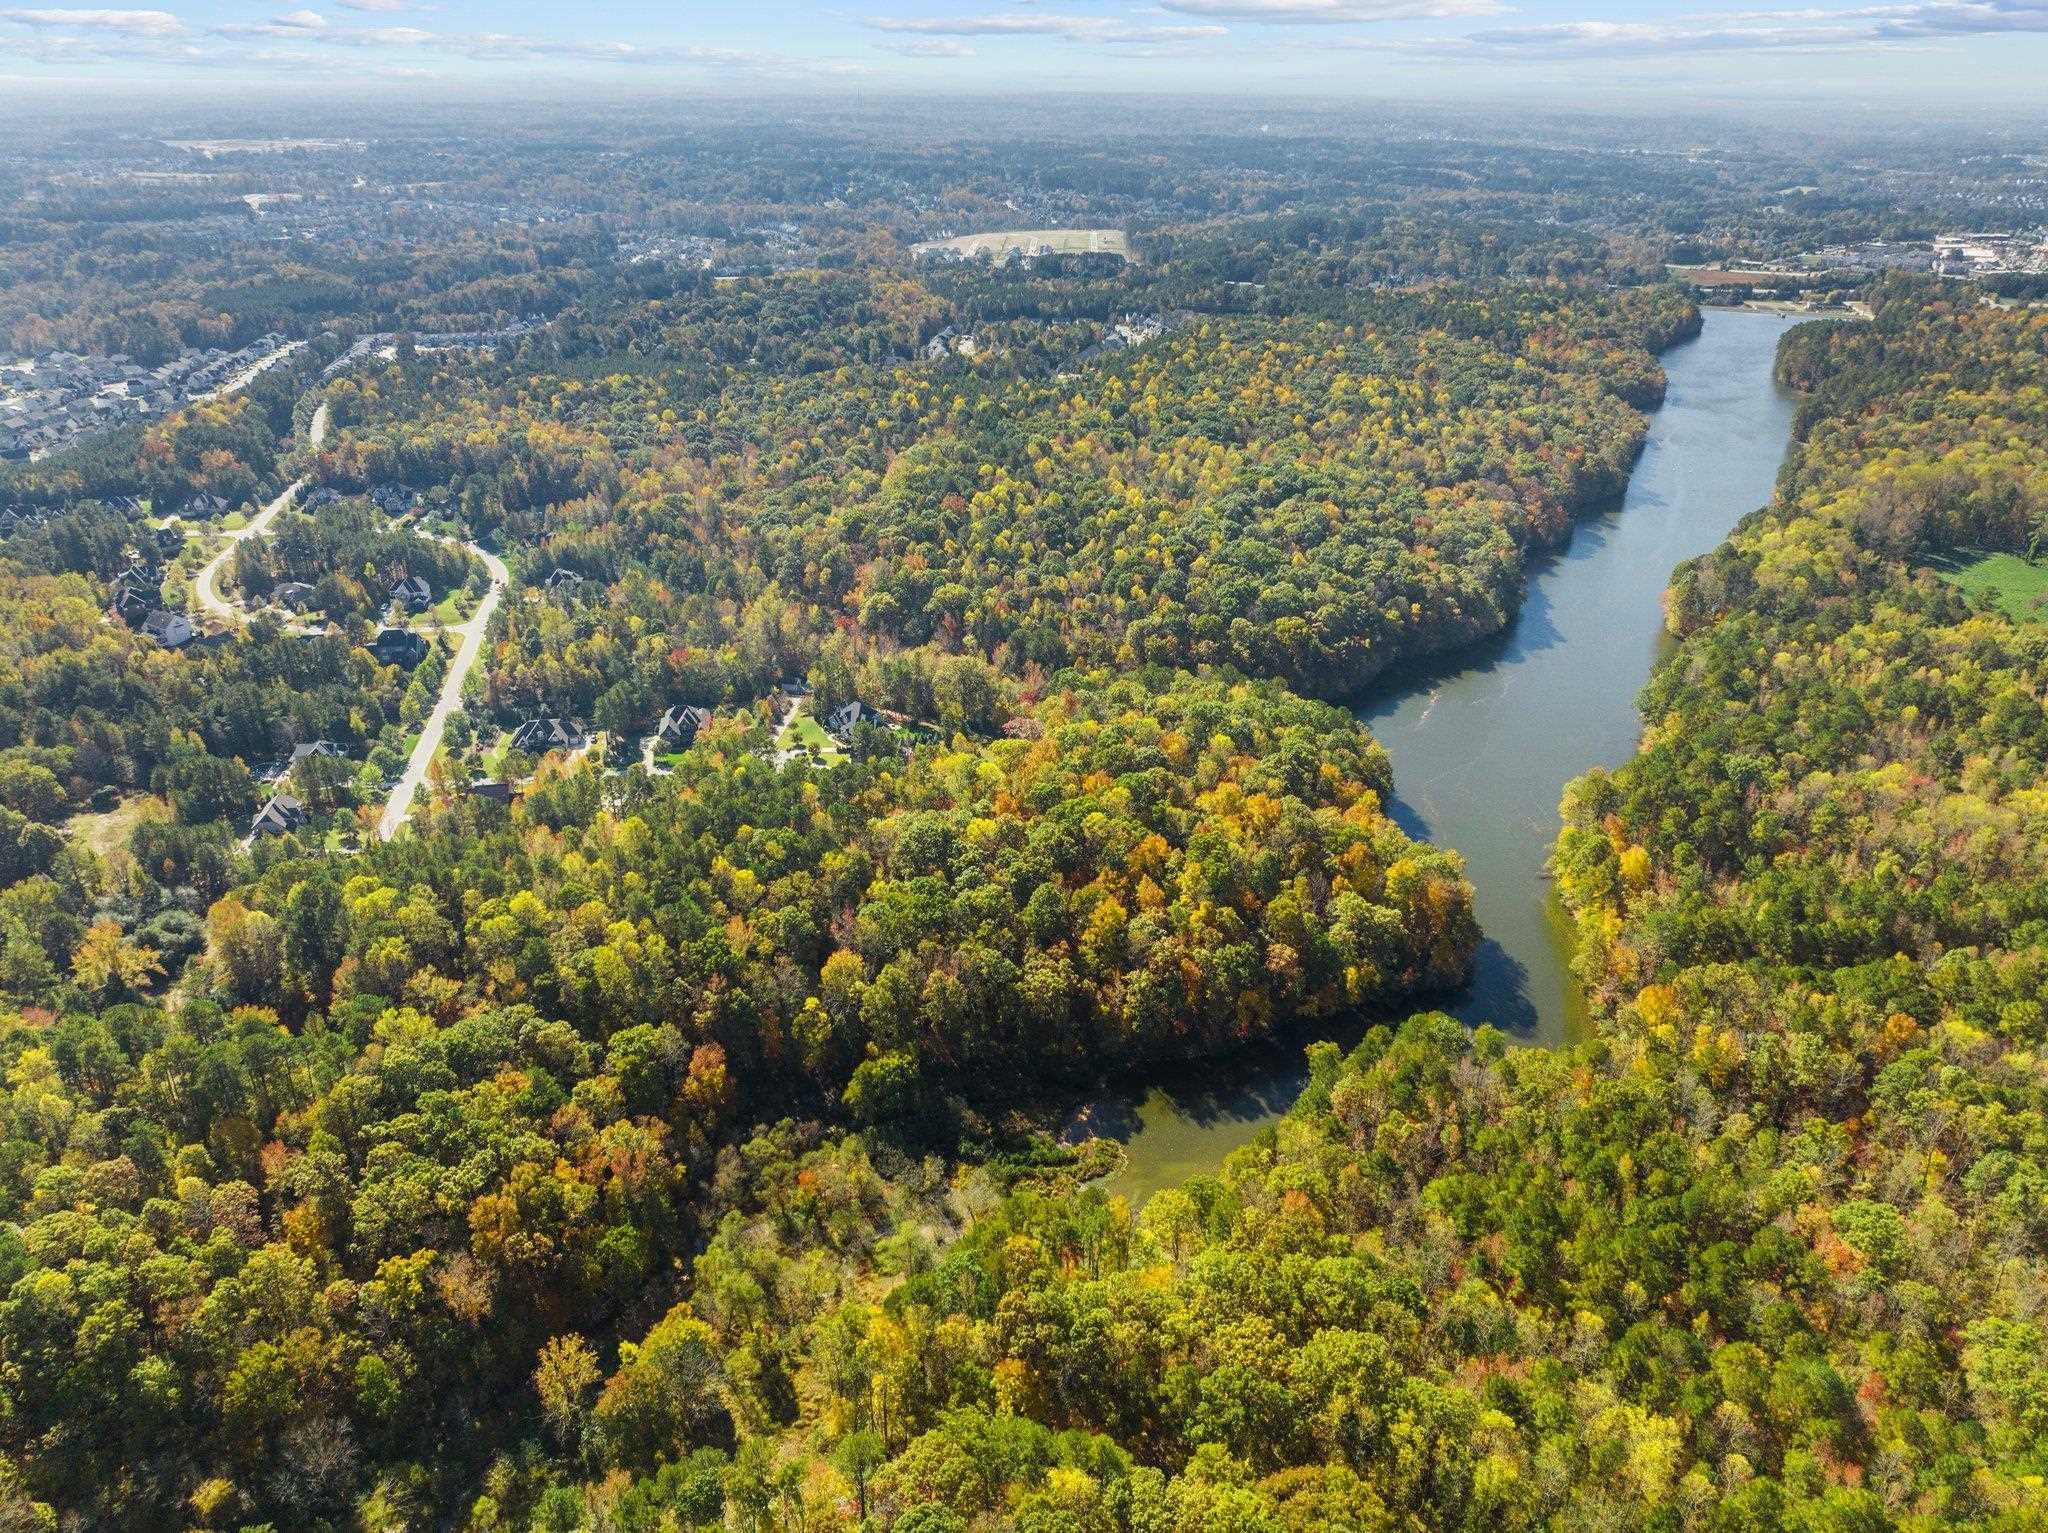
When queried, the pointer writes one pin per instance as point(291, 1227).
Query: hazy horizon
point(1586, 52)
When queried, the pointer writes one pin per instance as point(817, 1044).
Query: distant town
point(47, 402)
point(1831, 272)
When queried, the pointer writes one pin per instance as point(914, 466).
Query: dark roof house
point(136, 594)
point(135, 578)
point(132, 606)
point(317, 748)
point(280, 817)
point(679, 726)
point(413, 593)
point(562, 582)
point(295, 594)
point(843, 719)
point(538, 736)
point(399, 646)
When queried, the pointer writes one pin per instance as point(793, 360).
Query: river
point(1484, 743)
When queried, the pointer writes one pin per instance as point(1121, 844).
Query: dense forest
point(1312, 497)
point(653, 1143)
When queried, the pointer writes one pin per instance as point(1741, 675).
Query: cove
point(1483, 742)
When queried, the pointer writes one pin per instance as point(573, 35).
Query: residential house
point(135, 586)
point(491, 789)
point(204, 507)
point(564, 583)
point(844, 719)
point(678, 727)
point(294, 595)
point(280, 817)
point(399, 646)
point(412, 593)
point(538, 736)
point(392, 499)
point(313, 748)
point(173, 630)
point(133, 606)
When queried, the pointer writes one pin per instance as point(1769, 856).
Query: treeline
point(421, 1112)
point(1308, 498)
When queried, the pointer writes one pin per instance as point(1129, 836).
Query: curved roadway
point(399, 804)
point(207, 586)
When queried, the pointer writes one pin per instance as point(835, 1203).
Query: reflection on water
point(1484, 746)
point(1484, 741)
point(1185, 1125)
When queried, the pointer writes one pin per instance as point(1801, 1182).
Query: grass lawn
point(492, 759)
point(2018, 587)
point(803, 732)
point(108, 833)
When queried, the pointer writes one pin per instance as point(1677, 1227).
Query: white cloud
point(374, 5)
point(1080, 29)
point(1331, 12)
point(126, 23)
point(1806, 30)
point(380, 37)
point(1957, 18)
point(309, 27)
point(930, 48)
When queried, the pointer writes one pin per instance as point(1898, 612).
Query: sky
point(1584, 52)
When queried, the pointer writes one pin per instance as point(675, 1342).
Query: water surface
point(1484, 743)
point(1483, 748)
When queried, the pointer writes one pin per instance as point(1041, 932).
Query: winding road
point(206, 588)
point(399, 804)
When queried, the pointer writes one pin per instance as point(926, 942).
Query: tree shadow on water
point(1498, 993)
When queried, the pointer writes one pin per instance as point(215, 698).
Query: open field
point(1714, 276)
point(1003, 242)
point(108, 833)
point(2019, 586)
